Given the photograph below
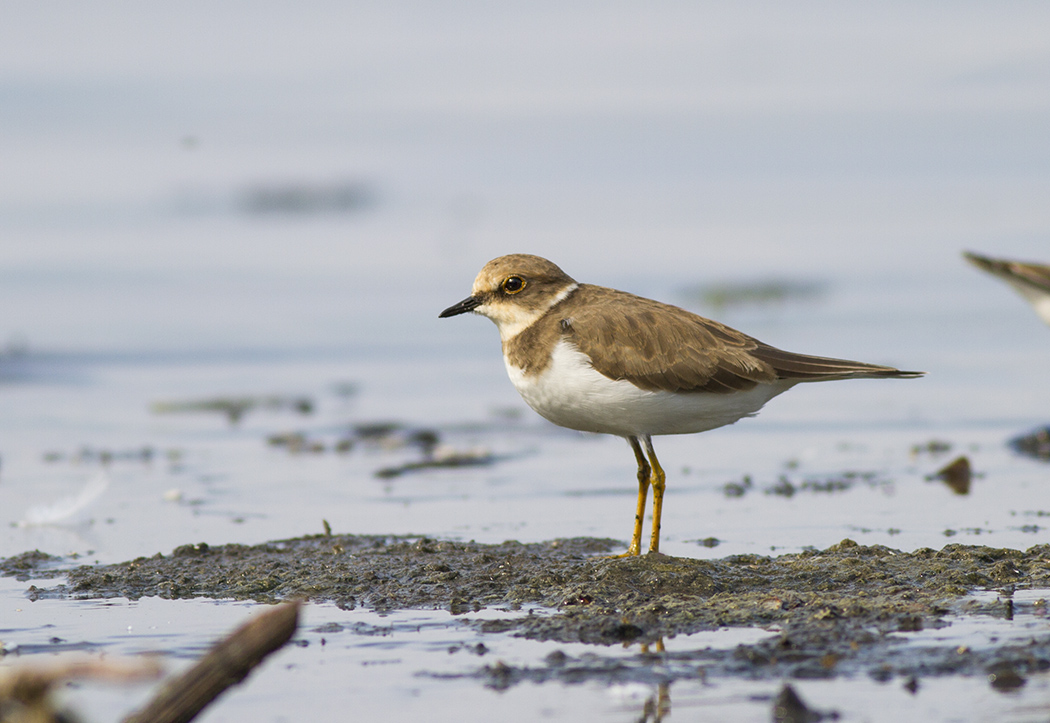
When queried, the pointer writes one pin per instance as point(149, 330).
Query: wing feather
point(659, 347)
point(1036, 276)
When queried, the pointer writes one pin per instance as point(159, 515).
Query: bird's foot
point(632, 551)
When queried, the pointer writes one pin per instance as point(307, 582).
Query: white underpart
point(511, 319)
point(1039, 299)
point(570, 393)
point(1042, 307)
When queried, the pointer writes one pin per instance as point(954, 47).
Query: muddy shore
point(838, 611)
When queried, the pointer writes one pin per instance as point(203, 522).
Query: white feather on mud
point(66, 508)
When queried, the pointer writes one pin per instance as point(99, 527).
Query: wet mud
point(757, 292)
point(234, 408)
point(1035, 444)
point(839, 611)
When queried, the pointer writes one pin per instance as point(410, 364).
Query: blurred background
point(206, 200)
point(278, 175)
point(227, 229)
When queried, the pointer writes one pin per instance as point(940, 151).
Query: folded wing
point(659, 347)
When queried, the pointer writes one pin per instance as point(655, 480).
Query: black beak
point(468, 304)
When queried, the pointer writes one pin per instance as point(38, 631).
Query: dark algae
point(839, 611)
point(23, 566)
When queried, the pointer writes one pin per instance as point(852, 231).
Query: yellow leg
point(660, 648)
point(644, 473)
point(659, 481)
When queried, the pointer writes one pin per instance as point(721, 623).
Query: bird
point(1032, 281)
point(599, 360)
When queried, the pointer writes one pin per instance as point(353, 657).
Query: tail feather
point(803, 367)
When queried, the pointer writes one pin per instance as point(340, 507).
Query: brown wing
point(1035, 274)
point(663, 348)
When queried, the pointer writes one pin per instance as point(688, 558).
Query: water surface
point(663, 150)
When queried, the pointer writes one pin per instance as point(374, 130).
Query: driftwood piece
point(25, 690)
point(225, 665)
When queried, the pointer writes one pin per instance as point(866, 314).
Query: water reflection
point(658, 704)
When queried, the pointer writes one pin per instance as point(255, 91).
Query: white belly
point(570, 393)
point(1040, 300)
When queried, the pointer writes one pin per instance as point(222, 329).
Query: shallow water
point(662, 151)
point(427, 663)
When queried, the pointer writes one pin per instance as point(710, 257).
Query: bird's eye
point(513, 284)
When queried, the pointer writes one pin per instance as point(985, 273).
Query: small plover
point(600, 360)
point(1032, 281)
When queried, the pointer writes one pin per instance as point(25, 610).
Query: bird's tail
point(805, 368)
